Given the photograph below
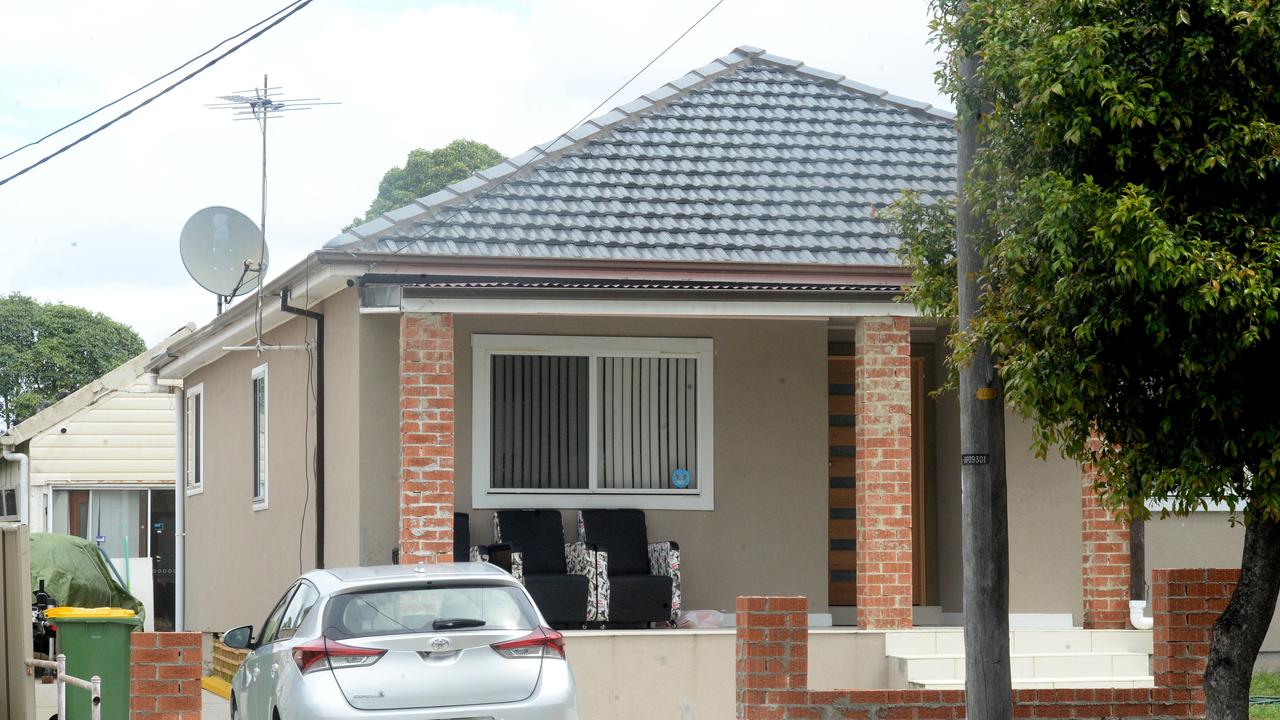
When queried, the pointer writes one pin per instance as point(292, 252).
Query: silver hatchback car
point(459, 641)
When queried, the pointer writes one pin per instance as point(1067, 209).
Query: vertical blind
point(259, 437)
point(540, 422)
point(648, 422)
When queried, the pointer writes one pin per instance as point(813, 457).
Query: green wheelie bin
point(96, 642)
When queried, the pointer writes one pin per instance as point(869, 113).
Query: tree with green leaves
point(49, 349)
point(1128, 178)
point(428, 171)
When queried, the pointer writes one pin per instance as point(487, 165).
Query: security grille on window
point(595, 421)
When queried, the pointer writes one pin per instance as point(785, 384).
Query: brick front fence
point(165, 676)
point(773, 665)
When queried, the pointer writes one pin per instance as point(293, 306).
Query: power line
point(158, 95)
point(591, 113)
point(130, 94)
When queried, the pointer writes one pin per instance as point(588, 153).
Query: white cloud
point(99, 225)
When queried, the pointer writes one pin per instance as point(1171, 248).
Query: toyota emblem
point(439, 644)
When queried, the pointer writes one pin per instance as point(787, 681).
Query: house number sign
point(974, 459)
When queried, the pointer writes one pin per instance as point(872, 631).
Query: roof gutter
point(391, 263)
point(237, 325)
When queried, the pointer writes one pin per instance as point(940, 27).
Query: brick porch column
point(426, 438)
point(882, 471)
point(1105, 561)
point(772, 655)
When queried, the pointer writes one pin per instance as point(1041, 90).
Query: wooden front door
point(841, 524)
point(919, 567)
point(841, 506)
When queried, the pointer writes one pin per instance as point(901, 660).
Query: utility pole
point(984, 503)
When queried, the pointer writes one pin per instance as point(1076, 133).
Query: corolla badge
point(379, 695)
point(439, 644)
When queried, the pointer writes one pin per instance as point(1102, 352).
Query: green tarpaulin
point(77, 574)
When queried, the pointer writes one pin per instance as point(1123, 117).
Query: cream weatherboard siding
point(123, 439)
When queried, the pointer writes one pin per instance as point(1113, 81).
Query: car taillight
point(543, 642)
point(324, 653)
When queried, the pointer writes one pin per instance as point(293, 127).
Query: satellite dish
point(223, 251)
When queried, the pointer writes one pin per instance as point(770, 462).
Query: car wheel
point(235, 713)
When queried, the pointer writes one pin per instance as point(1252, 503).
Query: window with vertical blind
point(592, 422)
point(259, 446)
point(194, 453)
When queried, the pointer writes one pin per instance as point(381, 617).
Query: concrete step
point(908, 669)
point(950, 640)
point(1137, 681)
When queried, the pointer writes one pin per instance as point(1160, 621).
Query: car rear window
point(404, 610)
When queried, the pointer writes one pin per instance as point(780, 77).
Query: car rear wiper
point(456, 623)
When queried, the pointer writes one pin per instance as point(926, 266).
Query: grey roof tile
point(438, 197)
point(746, 160)
point(818, 74)
point(779, 60)
point(661, 93)
point(404, 213)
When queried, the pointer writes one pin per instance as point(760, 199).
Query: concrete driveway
point(214, 707)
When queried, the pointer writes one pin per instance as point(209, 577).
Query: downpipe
point(1138, 576)
point(1138, 615)
point(24, 484)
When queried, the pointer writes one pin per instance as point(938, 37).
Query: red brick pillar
point(882, 471)
point(772, 655)
point(1105, 561)
point(164, 676)
point(426, 438)
point(1184, 605)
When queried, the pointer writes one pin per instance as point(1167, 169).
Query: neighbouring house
point(102, 466)
point(687, 305)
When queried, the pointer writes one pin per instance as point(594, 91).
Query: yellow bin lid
point(88, 613)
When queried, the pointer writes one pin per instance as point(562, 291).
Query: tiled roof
point(752, 159)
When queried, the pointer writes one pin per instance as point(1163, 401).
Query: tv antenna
point(261, 104)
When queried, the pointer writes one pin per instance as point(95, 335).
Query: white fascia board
point(660, 308)
point(325, 281)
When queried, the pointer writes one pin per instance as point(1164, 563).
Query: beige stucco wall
point(768, 532)
point(693, 672)
point(379, 438)
point(240, 560)
point(227, 540)
point(1044, 519)
point(1206, 539)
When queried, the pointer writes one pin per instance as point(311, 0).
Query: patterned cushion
point(623, 534)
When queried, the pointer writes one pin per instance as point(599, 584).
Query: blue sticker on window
point(680, 478)
point(100, 539)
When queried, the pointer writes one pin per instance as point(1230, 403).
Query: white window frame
point(192, 440)
point(260, 503)
point(484, 347)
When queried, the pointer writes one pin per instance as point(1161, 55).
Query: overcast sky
point(98, 226)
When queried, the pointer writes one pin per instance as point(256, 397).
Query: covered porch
point(818, 457)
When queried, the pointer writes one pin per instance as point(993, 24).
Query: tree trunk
point(1238, 632)
point(984, 507)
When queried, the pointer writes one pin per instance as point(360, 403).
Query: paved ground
point(215, 708)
